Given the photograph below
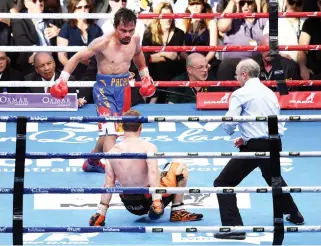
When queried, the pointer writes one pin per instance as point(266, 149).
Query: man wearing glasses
point(197, 69)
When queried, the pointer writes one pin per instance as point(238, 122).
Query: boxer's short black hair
point(125, 16)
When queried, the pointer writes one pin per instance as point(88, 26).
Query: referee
point(252, 99)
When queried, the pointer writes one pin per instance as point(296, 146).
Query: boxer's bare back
point(134, 172)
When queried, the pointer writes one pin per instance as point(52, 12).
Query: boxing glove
point(147, 88)
point(98, 219)
point(156, 210)
point(60, 89)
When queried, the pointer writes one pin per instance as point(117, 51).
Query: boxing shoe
point(93, 165)
point(181, 215)
point(296, 218)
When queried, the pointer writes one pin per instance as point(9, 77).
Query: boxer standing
point(111, 92)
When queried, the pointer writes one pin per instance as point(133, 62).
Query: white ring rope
point(41, 48)
point(47, 83)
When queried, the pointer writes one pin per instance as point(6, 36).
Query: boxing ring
point(72, 211)
point(54, 200)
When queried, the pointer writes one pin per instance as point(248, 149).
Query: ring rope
point(228, 83)
point(164, 229)
point(160, 155)
point(152, 119)
point(162, 190)
point(219, 48)
point(159, 16)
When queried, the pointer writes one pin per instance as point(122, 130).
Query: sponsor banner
point(37, 102)
point(91, 201)
point(301, 100)
point(294, 100)
point(212, 100)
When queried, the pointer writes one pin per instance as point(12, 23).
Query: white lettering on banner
point(251, 238)
point(91, 201)
point(309, 99)
point(14, 101)
point(58, 238)
point(55, 101)
point(223, 100)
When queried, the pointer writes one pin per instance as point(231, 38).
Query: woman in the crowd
point(200, 32)
point(248, 31)
point(78, 32)
point(262, 6)
point(163, 66)
point(289, 28)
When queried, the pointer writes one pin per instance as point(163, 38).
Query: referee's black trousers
point(233, 174)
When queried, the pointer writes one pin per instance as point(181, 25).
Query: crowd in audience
point(163, 66)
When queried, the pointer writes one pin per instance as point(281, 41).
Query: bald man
point(197, 69)
point(254, 99)
point(45, 70)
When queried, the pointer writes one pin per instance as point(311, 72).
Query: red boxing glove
point(147, 88)
point(60, 89)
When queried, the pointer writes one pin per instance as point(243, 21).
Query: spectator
point(246, 31)
point(289, 29)
point(6, 6)
point(262, 6)
point(200, 32)
point(35, 32)
point(77, 32)
point(9, 74)
point(52, 6)
point(45, 70)
point(101, 6)
point(196, 70)
point(309, 61)
point(163, 32)
point(290, 68)
point(5, 34)
point(107, 25)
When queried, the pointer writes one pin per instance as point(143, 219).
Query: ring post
point(18, 188)
point(275, 148)
point(274, 48)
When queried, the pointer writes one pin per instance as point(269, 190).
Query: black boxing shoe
point(230, 235)
point(296, 218)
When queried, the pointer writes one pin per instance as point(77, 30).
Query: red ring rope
point(229, 83)
point(227, 15)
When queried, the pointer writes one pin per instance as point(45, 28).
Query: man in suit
point(45, 70)
point(30, 32)
point(9, 74)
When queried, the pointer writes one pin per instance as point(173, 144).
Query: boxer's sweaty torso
point(115, 58)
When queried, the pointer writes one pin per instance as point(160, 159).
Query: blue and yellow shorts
point(112, 96)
